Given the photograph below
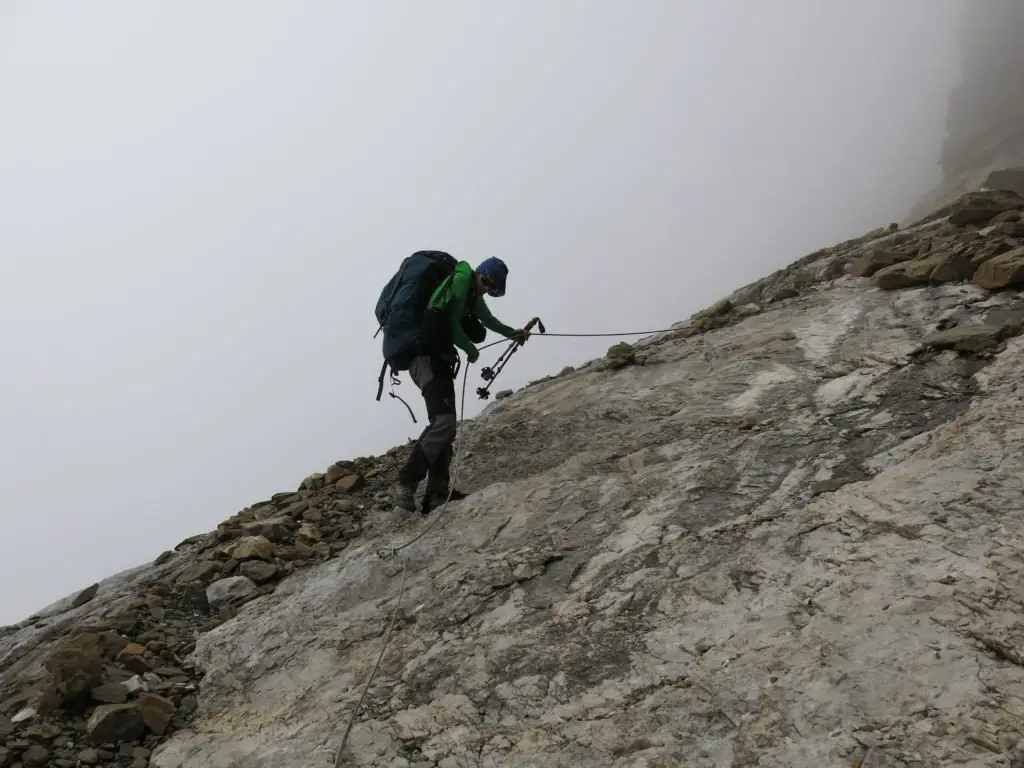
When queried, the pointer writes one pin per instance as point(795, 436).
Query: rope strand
point(393, 552)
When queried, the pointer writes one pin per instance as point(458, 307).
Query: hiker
point(456, 315)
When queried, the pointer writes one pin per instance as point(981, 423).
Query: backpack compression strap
point(394, 381)
point(380, 380)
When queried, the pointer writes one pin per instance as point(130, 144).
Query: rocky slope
point(786, 533)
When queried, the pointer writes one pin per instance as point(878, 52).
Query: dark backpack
point(402, 304)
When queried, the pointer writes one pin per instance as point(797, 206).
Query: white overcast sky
point(199, 204)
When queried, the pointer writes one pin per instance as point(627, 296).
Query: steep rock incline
point(786, 533)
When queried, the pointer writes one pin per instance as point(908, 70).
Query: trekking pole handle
point(538, 322)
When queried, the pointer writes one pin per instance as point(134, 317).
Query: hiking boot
point(434, 500)
point(403, 496)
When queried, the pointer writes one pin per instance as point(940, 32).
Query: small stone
point(88, 757)
point(303, 551)
point(25, 714)
point(620, 355)
point(35, 757)
point(284, 499)
point(136, 664)
point(253, 548)
point(156, 712)
point(133, 649)
point(719, 308)
point(349, 483)
point(43, 732)
point(313, 483)
point(134, 684)
point(232, 590)
point(200, 571)
point(111, 723)
point(503, 394)
point(169, 672)
point(312, 516)
point(964, 338)
point(259, 572)
point(111, 693)
point(748, 421)
point(338, 471)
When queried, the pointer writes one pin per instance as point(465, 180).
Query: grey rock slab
point(641, 579)
point(232, 589)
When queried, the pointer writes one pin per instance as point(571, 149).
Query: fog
point(201, 202)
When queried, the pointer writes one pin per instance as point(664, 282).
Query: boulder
point(940, 267)
point(230, 591)
point(74, 670)
point(200, 571)
point(258, 571)
point(156, 712)
point(893, 278)
point(964, 338)
point(337, 471)
point(350, 483)
point(1003, 271)
point(252, 548)
point(979, 208)
point(111, 723)
point(868, 263)
point(314, 482)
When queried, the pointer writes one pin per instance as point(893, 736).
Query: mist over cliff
point(985, 114)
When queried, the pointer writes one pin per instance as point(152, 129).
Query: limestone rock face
point(786, 532)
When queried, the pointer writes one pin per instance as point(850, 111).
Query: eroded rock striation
point(787, 532)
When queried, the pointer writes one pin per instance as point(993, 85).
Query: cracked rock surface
point(790, 537)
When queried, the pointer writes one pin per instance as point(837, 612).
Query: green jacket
point(457, 295)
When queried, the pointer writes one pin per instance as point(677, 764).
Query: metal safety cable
point(586, 335)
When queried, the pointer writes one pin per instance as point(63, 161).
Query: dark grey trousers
point(431, 457)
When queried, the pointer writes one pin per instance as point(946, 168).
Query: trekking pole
point(489, 373)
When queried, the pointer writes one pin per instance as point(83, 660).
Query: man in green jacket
point(456, 316)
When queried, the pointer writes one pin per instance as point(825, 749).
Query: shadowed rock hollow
point(786, 533)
